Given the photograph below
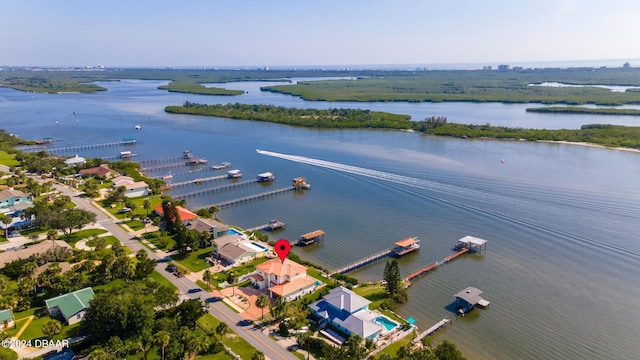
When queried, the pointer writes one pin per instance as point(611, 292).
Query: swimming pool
point(255, 247)
point(388, 324)
point(233, 231)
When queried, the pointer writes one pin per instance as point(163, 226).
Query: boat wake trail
point(467, 198)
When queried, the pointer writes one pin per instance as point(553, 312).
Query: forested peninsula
point(583, 110)
point(191, 88)
point(313, 118)
point(599, 134)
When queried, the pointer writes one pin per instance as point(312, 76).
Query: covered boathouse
point(310, 238)
point(468, 298)
point(406, 246)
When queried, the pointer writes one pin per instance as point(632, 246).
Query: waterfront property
point(235, 249)
point(72, 306)
point(213, 227)
point(468, 298)
point(286, 279)
point(75, 160)
point(184, 214)
point(133, 188)
point(310, 238)
point(102, 171)
point(348, 313)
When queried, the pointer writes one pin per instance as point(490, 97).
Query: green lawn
point(8, 159)
point(195, 261)
point(34, 330)
point(110, 240)
point(239, 345)
point(138, 202)
point(83, 234)
point(316, 274)
point(156, 238)
point(162, 280)
point(392, 349)
point(7, 354)
point(135, 225)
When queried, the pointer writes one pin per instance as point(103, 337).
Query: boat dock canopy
point(472, 243)
point(471, 296)
point(407, 242)
point(312, 235)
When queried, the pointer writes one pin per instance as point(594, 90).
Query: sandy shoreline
point(591, 145)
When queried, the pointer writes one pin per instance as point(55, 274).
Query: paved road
point(242, 327)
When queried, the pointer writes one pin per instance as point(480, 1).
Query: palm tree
point(162, 340)
point(6, 220)
point(221, 330)
point(51, 235)
point(206, 276)
point(146, 204)
point(262, 302)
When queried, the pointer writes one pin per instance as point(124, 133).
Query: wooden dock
point(363, 262)
point(272, 225)
point(83, 147)
point(252, 197)
point(434, 265)
point(159, 161)
point(440, 324)
point(217, 189)
point(197, 181)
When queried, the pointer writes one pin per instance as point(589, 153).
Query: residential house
point(349, 313)
point(286, 279)
point(102, 171)
point(213, 227)
point(12, 200)
point(6, 319)
point(233, 250)
point(11, 255)
point(75, 160)
point(133, 188)
point(184, 214)
point(72, 306)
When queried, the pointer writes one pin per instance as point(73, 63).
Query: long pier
point(160, 161)
point(216, 189)
point(197, 181)
point(253, 197)
point(162, 167)
point(83, 147)
point(434, 265)
point(272, 225)
point(363, 262)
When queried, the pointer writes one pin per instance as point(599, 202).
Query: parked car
point(171, 268)
point(193, 291)
point(124, 210)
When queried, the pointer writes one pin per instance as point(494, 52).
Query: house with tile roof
point(185, 214)
point(102, 170)
point(6, 319)
point(72, 306)
point(286, 279)
point(349, 313)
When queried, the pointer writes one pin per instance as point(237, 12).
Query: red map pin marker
point(282, 248)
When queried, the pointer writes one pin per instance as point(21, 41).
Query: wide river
point(562, 264)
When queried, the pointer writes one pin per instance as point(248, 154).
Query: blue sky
point(327, 32)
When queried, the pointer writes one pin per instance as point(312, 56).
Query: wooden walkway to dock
point(82, 147)
point(440, 324)
point(164, 167)
point(197, 181)
point(216, 189)
point(159, 161)
point(253, 197)
point(435, 265)
point(363, 262)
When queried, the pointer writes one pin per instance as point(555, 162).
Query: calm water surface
point(562, 220)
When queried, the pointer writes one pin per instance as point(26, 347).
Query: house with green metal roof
point(71, 306)
point(6, 319)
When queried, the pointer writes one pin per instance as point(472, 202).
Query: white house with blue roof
point(349, 313)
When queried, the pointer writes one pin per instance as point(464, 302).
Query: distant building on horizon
point(503, 67)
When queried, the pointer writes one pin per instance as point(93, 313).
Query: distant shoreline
point(591, 145)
